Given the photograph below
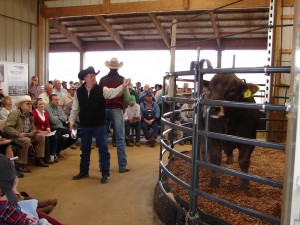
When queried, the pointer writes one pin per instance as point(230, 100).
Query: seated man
point(67, 100)
point(11, 210)
point(6, 149)
point(57, 120)
point(45, 95)
point(132, 118)
point(20, 128)
point(150, 113)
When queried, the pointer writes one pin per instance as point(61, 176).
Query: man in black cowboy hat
point(114, 110)
point(89, 105)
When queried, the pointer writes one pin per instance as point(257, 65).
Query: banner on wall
point(14, 78)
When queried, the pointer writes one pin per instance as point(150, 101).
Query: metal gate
point(198, 101)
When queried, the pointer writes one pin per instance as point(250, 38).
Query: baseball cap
point(132, 99)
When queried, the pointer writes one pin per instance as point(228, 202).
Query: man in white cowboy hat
point(89, 105)
point(114, 110)
point(20, 128)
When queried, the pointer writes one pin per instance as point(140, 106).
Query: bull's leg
point(244, 163)
point(203, 150)
point(229, 155)
point(215, 158)
point(214, 179)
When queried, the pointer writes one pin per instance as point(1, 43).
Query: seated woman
point(42, 124)
point(7, 108)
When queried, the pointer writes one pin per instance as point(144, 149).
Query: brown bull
point(232, 121)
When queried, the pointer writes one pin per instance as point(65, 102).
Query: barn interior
point(33, 29)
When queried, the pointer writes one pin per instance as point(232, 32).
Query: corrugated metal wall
point(19, 30)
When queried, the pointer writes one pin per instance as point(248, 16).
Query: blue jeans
point(116, 117)
point(100, 134)
point(155, 129)
point(137, 127)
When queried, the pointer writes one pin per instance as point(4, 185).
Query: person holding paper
point(13, 211)
point(42, 124)
point(20, 128)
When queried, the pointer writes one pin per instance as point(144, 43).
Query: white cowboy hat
point(113, 63)
point(24, 98)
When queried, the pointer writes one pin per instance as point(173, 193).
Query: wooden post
point(172, 81)
point(275, 83)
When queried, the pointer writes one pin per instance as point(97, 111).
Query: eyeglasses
point(149, 95)
point(28, 103)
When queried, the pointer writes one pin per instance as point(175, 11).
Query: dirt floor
point(265, 162)
point(126, 200)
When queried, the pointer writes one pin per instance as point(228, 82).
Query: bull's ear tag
point(247, 93)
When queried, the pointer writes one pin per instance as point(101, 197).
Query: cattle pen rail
point(192, 212)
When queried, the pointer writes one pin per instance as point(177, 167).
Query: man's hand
point(149, 122)
point(126, 82)
point(23, 134)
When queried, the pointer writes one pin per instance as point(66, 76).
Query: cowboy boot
point(40, 162)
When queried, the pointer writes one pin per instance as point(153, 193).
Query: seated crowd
point(144, 112)
point(39, 128)
point(36, 131)
point(34, 134)
point(36, 126)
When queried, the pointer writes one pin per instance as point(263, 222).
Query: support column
point(172, 81)
point(273, 81)
point(219, 58)
point(82, 61)
point(43, 49)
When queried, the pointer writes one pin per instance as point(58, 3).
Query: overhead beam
point(64, 31)
point(151, 6)
point(113, 33)
point(160, 29)
point(228, 44)
point(215, 28)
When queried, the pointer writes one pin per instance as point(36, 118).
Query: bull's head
point(229, 87)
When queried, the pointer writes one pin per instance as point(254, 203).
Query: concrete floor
point(126, 200)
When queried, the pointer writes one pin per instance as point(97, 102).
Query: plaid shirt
point(27, 123)
point(12, 214)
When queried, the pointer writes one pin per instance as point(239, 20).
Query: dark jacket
point(92, 107)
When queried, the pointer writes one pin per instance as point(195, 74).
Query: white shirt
point(108, 93)
point(132, 111)
point(41, 114)
point(45, 97)
point(66, 98)
point(4, 113)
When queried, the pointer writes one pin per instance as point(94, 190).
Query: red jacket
point(39, 123)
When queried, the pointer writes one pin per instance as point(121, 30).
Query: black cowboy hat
point(89, 70)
